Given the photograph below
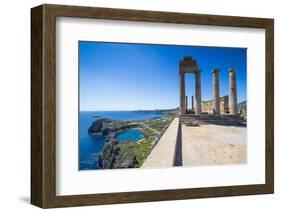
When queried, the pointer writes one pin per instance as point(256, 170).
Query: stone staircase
point(196, 120)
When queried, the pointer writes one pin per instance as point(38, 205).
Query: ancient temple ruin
point(224, 109)
point(189, 65)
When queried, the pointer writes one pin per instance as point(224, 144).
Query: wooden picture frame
point(43, 105)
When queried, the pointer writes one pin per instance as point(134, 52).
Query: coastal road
point(145, 125)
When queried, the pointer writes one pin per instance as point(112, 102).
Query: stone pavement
point(213, 144)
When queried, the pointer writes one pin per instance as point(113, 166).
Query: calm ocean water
point(90, 146)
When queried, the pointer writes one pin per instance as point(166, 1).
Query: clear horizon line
point(126, 109)
point(104, 110)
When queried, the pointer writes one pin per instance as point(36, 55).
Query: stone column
point(182, 93)
point(216, 92)
point(192, 103)
point(186, 103)
point(198, 92)
point(233, 91)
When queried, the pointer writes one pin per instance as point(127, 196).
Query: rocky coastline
point(127, 154)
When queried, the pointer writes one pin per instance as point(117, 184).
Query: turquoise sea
point(90, 146)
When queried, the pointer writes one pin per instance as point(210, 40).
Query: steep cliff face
point(119, 155)
point(104, 126)
point(98, 125)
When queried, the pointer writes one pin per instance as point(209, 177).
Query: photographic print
point(141, 96)
point(159, 106)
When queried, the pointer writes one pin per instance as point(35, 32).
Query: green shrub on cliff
point(124, 154)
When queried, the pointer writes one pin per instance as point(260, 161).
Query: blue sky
point(116, 76)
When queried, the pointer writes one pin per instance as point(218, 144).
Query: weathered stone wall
point(208, 106)
point(242, 108)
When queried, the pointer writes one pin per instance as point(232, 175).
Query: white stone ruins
point(189, 65)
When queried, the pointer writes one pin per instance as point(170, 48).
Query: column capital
point(232, 69)
point(215, 70)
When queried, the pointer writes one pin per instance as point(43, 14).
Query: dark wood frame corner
point(43, 105)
